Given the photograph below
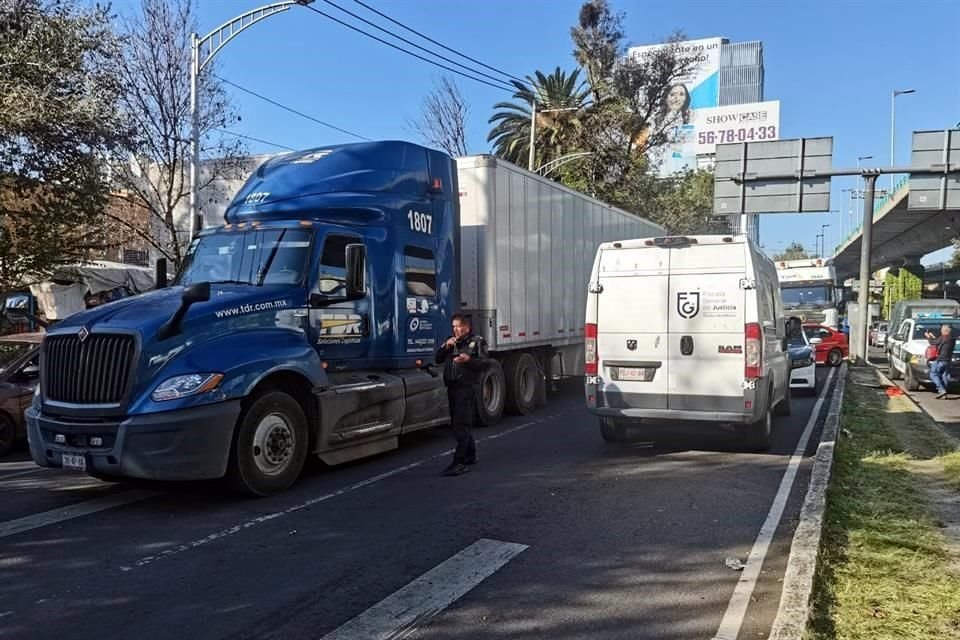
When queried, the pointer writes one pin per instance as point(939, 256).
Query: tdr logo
point(688, 304)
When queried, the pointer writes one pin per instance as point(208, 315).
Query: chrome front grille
point(96, 370)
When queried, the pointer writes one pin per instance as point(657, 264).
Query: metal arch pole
point(223, 34)
point(553, 165)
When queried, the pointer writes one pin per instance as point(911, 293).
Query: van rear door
point(706, 320)
point(632, 327)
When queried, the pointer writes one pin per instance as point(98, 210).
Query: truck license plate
point(637, 374)
point(75, 462)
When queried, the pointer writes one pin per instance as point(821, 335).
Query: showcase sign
point(752, 122)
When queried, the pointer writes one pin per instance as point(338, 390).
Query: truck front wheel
point(269, 446)
point(491, 395)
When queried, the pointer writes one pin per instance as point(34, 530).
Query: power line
point(240, 135)
point(441, 45)
point(291, 110)
point(414, 44)
point(410, 53)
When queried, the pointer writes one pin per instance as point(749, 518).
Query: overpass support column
point(859, 346)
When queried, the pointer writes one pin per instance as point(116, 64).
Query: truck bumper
point(187, 444)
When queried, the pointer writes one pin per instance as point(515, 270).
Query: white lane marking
point(22, 473)
point(19, 466)
point(54, 516)
point(229, 531)
point(737, 607)
point(399, 614)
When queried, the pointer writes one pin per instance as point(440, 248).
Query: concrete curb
point(794, 610)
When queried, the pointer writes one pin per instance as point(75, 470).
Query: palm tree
point(556, 131)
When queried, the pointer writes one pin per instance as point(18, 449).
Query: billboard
point(752, 122)
point(697, 89)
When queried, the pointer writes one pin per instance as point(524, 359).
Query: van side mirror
point(794, 326)
point(356, 271)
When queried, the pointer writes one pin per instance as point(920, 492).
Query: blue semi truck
point(306, 324)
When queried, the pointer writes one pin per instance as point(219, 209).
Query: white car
point(803, 374)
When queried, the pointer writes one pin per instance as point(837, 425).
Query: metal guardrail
point(877, 207)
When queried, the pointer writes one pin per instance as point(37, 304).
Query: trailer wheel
point(269, 446)
point(491, 394)
point(523, 379)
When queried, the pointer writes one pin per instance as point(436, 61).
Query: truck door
point(340, 331)
point(421, 331)
point(632, 327)
point(705, 317)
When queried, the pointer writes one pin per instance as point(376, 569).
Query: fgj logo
point(688, 304)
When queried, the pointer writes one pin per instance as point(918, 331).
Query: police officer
point(463, 358)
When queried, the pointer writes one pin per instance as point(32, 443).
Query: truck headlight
point(188, 385)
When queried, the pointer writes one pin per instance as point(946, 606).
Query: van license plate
point(75, 462)
point(636, 374)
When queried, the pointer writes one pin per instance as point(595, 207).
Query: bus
point(809, 290)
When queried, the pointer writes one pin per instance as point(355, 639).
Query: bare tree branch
point(442, 119)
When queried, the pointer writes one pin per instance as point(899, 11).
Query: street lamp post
point(202, 51)
point(531, 161)
point(816, 245)
point(823, 234)
point(893, 130)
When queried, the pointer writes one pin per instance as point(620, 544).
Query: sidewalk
point(945, 412)
point(889, 558)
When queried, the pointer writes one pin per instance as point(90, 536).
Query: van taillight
point(753, 350)
point(590, 348)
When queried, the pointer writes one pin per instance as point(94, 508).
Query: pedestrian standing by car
point(463, 357)
point(940, 366)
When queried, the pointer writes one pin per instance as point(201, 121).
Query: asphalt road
point(554, 534)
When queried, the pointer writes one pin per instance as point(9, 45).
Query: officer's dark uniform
point(462, 381)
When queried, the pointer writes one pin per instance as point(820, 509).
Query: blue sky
point(832, 64)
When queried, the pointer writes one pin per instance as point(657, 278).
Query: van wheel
point(783, 407)
point(835, 358)
point(757, 435)
point(269, 446)
point(523, 379)
point(491, 394)
point(910, 381)
point(613, 430)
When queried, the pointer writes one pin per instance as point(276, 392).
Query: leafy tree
point(59, 121)
point(443, 118)
point(684, 205)
point(155, 74)
point(794, 251)
point(628, 120)
point(557, 132)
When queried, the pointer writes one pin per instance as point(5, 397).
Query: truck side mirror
point(160, 273)
point(356, 271)
point(193, 293)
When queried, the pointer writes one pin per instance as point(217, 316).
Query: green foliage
point(911, 283)
point(59, 121)
point(794, 251)
point(890, 294)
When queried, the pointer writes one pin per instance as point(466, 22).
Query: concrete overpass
point(899, 236)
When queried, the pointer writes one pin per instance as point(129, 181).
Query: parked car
point(686, 329)
point(831, 345)
point(803, 365)
point(878, 334)
point(907, 347)
point(19, 376)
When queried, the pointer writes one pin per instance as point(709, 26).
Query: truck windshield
point(810, 296)
point(255, 257)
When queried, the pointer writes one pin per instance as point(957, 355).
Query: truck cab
point(306, 324)
point(907, 345)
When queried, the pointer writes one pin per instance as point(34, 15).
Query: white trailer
point(526, 249)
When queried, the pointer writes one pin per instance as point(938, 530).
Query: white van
point(686, 328)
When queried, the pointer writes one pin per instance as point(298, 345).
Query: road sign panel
point(931, 191)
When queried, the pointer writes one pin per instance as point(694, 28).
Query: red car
point(831, 345)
